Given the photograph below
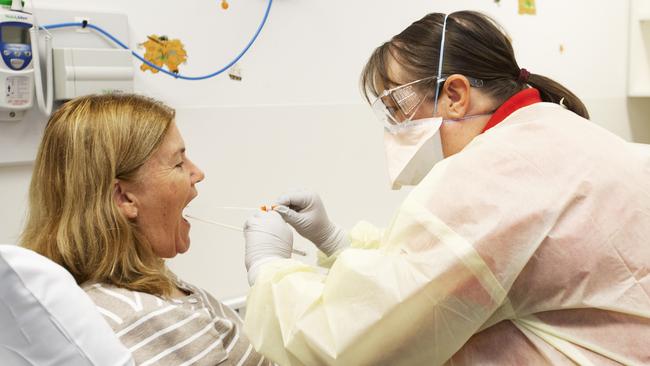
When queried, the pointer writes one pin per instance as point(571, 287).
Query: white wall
point(297, 118)
point(14, 184)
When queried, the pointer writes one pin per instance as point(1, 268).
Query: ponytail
point(553, 92)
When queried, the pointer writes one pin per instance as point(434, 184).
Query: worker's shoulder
point(546, 132)
point(538, 122)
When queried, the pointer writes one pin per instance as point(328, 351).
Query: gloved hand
point(304, 211)
point(267, 237)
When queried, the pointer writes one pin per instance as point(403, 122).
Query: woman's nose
point(197, 174)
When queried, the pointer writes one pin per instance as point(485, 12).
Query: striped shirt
point(194, 330)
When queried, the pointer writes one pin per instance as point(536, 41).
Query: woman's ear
point(126, 202)
point(457, 90)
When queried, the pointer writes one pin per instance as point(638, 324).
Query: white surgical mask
point(412, 151)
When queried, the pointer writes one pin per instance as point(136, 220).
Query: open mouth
point(187, 205)
point(183, 215)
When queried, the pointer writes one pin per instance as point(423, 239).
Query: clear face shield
point(396, 107)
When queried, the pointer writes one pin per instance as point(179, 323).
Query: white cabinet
point(639, 58)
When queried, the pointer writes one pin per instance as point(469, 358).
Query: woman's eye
point(179, 165)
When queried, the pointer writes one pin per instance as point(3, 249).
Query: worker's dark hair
point(475, 46)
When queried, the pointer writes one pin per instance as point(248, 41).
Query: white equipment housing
point(82, 71)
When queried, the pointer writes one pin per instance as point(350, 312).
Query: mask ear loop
point(442, 53)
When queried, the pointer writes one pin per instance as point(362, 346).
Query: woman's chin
point(183, 243)
point(182, 248)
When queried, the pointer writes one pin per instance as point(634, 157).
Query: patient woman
point(106, 202)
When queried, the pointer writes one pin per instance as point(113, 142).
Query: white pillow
point(46, 319)
point(642, 148)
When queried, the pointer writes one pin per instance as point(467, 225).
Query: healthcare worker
point(526, 245)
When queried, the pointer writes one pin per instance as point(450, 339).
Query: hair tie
point(523, 76)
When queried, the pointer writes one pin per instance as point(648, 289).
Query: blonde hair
point(73, 218)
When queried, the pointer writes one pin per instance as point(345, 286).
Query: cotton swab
point(235, 228)
point(225, 226)
point(236, 208)
point(265, 208)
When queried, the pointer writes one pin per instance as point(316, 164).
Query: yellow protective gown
point(531, 246)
